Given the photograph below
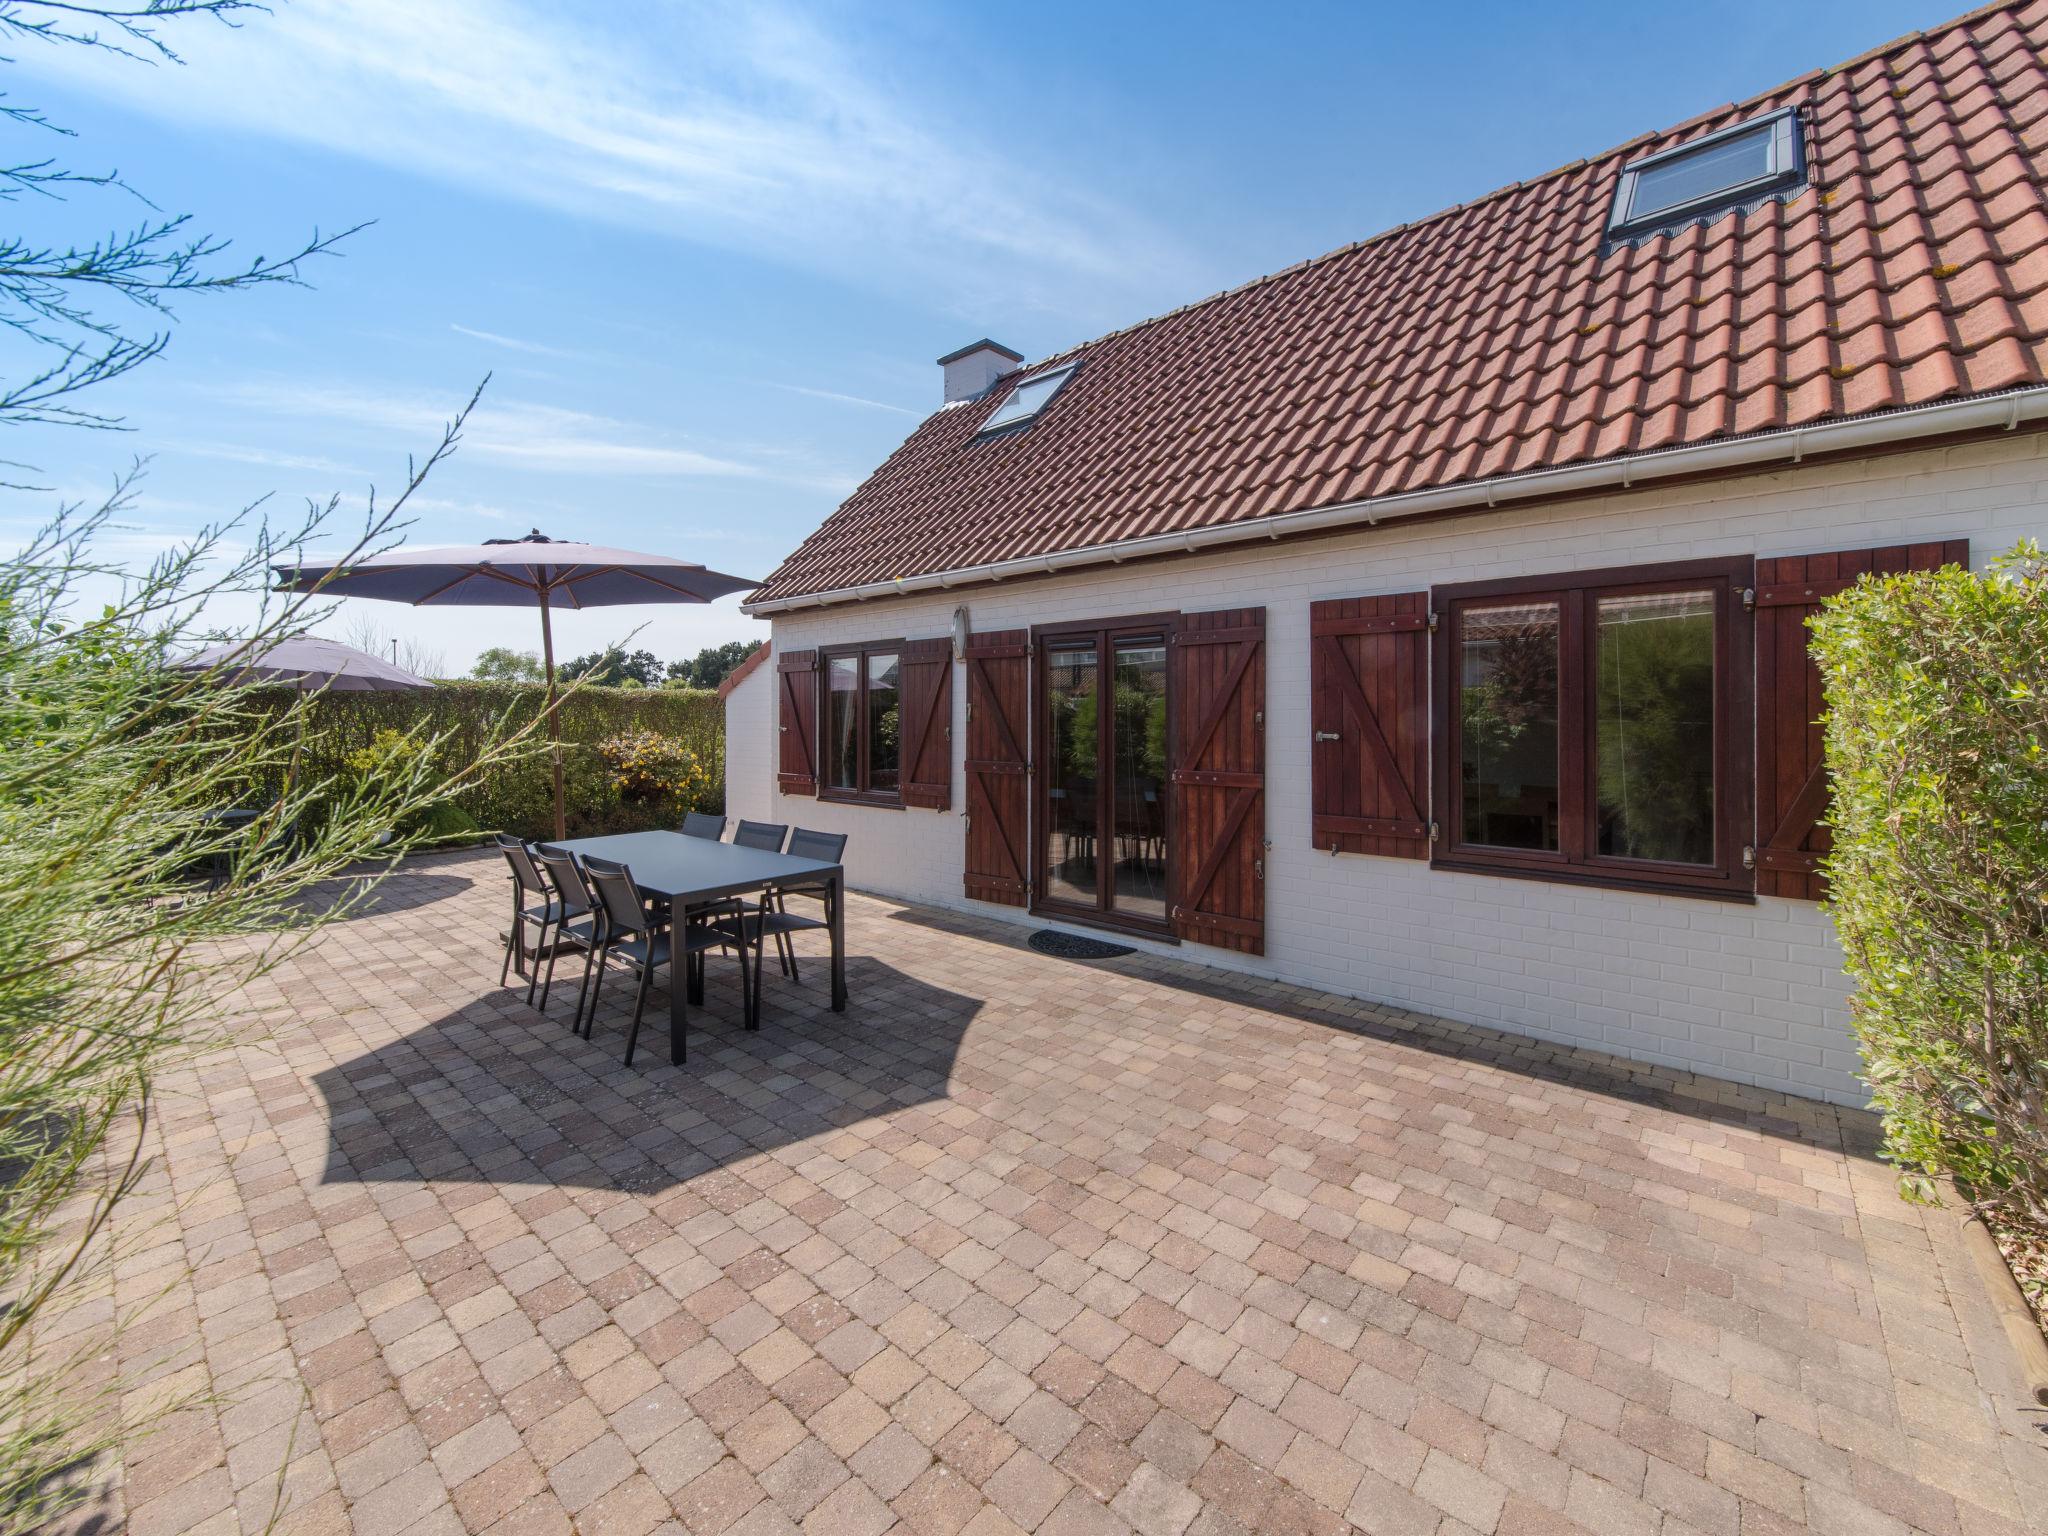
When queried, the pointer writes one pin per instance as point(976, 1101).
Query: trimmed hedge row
point(518, 797)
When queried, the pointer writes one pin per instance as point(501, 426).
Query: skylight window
point(1733, 168)
point(1029, 398)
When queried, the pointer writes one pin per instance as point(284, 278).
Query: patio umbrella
point(306, 662)
point(533, 572)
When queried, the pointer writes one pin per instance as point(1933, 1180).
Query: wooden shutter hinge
point(1749, 599)
point(1432, 621)
point(1749, 856)
point(1432, 834)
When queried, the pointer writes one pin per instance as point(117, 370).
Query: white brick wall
point(750, 758)
point(1750, 993)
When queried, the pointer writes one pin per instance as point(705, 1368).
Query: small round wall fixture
point(1071, 946)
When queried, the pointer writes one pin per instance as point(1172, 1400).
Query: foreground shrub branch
point(131, 911)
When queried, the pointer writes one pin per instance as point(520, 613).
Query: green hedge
point(519, 797)
point(1937, 741)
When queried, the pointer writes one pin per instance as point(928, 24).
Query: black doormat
point(1069, 946)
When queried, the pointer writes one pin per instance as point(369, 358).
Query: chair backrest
point(703, 824)
point(524, 870)
point(571, 889)
point(618, 895)
point(761, 834)
point(828, 847)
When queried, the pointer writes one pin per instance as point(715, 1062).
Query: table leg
point(678, 1010)
point(835, 890)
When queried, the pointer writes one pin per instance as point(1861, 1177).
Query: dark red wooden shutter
point(998, 766)
point(796, 678)
point(1218, 680)
point(1369, 719)
point(1791, 776)
point(926, 679)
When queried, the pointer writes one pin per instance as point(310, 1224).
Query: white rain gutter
point(2007, 410)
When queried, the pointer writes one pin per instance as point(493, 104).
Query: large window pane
point(1140, 773)
point(1655, 726)
point(842, 722)
point(883, 737)
point(1508, 724)
point(1071, 775)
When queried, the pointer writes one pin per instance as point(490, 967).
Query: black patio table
point(690, 871)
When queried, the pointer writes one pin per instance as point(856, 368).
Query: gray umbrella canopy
point(304, 661)
point(533, 572)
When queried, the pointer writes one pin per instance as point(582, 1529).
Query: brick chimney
point(973, 370)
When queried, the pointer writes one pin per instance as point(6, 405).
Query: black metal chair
point(577, 926)
point(703, 824)
point(646, 939)
point(765, 835)
point(532, 903)
point(773, 919)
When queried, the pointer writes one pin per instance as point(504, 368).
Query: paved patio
point(1021, 1244)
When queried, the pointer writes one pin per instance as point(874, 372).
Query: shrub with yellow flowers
point(652, 765)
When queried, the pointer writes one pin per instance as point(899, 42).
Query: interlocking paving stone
point(1173, 1252)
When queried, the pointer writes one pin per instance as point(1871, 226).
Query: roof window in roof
point(1734, 168)
point(1030, 397)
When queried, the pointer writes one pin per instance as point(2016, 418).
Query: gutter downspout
point(2008, 410)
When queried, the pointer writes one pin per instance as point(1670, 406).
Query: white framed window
point(1728, 169)
point(1031, 396)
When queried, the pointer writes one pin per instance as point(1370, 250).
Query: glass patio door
point(1103, 779)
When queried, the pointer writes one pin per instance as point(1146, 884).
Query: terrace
point(993, 1252)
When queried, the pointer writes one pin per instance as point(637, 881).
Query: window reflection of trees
point(1508, 725)
point(1655, 726)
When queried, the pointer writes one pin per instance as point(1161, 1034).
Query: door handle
point(1329, 735)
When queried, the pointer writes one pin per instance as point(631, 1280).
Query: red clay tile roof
point(1504, 335)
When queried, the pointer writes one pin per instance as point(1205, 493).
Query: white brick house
point(1438, 641)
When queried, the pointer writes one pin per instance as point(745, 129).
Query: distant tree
point(712, 665)
point(52, 294)
point(615, 668)
point(402, 651)
point(502, 664)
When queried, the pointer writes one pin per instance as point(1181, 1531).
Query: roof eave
point(2008, 409)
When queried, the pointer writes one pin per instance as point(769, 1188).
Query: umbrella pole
point(547, 651)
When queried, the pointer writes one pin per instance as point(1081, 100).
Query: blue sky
point(709, 252)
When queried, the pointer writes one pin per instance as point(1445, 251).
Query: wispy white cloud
point(268, 458)
point(525, 434)
point(835, 395)
point(737, 125)
point(509, 343)
point(443, 506)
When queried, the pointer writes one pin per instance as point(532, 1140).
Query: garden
point(632, 758)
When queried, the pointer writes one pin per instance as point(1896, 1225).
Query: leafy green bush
point(400, 754)
point(652, 765)
point(1937, 739)
point(517, 796)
